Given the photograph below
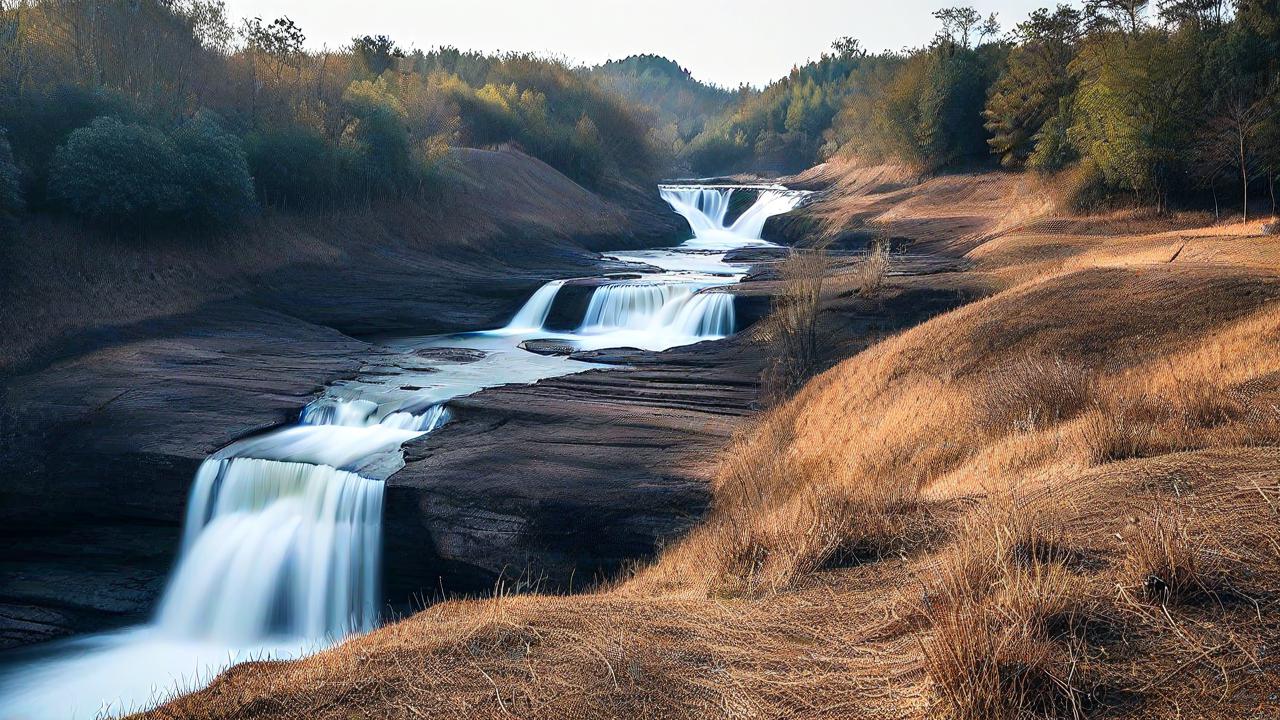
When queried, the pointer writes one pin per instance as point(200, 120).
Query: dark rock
point(566, 480)
point(544, 346)
point(451, 355)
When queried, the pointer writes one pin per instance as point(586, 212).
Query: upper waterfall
point(705, 207)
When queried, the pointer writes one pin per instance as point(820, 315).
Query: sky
point(726, 42)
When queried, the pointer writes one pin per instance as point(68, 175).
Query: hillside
point(1058, 500)
point(655, 82)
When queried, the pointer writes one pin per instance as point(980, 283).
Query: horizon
point(718, 42)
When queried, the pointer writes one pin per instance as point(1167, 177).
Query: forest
point(1126, 101)
point(167, 113)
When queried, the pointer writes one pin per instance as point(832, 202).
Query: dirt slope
point(1059, 500)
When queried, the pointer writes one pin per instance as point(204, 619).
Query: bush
point(714, 152)
point(10, 188)
point(39, 126)
point(293, 168)
point(116, 172)
point(215, 173)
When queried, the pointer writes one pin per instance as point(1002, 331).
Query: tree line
point(1176, 101)
point(145, 114)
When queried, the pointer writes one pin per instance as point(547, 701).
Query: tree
point(214, 173)
point(293, 168)
point(378, 52)
point(380, 137)
point(1203, 14)
point(958, 24)
point(1123, 16)
point(848, 47)
point(1033, 83)
point(948, 123)
point(1133, 109)
point(280, 41)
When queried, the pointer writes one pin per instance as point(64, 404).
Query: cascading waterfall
point(772, 201)
point(276, 548)
point(534, 313)
point(278, 540)
point(365, 413)
point(672, 309)
point(667, 309)
point(704, 315)
point(705, 208)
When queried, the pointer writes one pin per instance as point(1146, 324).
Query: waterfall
point(534, 313)
point(769, 203)
point(365, 413)
point(276, 548)
point(706, 207)
point(631, 306)
point(278, 540)
point(669, 310)
point(704, 315)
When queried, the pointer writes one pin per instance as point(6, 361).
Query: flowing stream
point(281, 546)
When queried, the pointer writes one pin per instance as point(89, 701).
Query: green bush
point(112, 172)
point(116, 173)
point(714, 152)
point(294, 168)
point(384, 157)
point(38, 126)
point(214, 173)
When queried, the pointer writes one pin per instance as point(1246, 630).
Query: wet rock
point(566, 480)
point(451, 355)
point(544, 346)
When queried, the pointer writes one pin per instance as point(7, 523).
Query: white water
point(534, 313)
point(281, 545)
point(663, 309)
point(276, 549)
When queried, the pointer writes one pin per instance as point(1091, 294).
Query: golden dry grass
point(1058, 501)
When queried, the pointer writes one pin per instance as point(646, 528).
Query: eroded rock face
point(566, 480)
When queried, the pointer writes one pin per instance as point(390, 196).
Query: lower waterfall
point(276, 548)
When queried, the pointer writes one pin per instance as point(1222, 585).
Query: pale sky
point(720, 41)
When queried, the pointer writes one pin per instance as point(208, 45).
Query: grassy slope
point(1060, 499)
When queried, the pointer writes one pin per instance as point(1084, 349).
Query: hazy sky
point(720, 41)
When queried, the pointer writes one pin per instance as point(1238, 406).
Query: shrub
point(10, 188)
point(37, 127)
point(713, 152)
point(293, 168)
point(117, 172)
point(215, 173)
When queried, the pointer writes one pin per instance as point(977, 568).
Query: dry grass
point(870, 273)
point(1165, 561)
point(1060, 501)
point(793, 323)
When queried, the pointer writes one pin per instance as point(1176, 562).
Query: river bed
point(282, 542)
